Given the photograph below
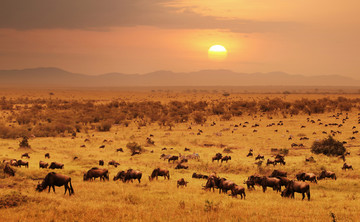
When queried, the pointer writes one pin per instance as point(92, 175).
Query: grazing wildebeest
point(250, 183)
point(165, 157)
point(225, 185)
point(181, 182)
point(119, 176)
point(47, 155)
point(258, 157)
point(180, 166)
point(102, 146)
point(83, 146)
point(173, 158)
point(280, 159)
point(101, 162)
point(114, 163)
point(217, 157)
point(94, 173)
point(306, 176)
point(25, 155)
point(278, 173)
point(249, 154)
point(8, 170)
point(55, 165)
point(327, 174)
point(347, 166)
point(54, 179)
point(119, 150)
point(43, 164)
point(238, 190)
point(298, 187)
point(284, 181)
point(270, 182)
point(131, 175)
point(159, 172)
point(226, 158)
point(23, 163)
point(13, 162)
point(195, 156)
point(212, 182)
point(135, 153)
point(187, 149)
point(270, 162)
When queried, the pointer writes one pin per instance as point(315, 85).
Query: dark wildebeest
point(95, 172)
point(212, 182)
point(159, 172)
point(187, 149)
point(135, 153)
point(102, 146)
point(280, 160)
point(278, 173)
point(270, 162)
point(327, 174)
point(132, 175)
point(101, 162)
point(249, 154)
point(182, 182)
point(55, 165)
point(47, 155)
point(54, 179)
point(298, 187)
point(217, 157)
point(199, 176)
point(225, 185)
point(226, 158)
point(119, 176)
point(8, 170)
point(13, 162)
point(173, 158)
point(258, 157)
point(25, 155)
point(250, 183)
point(238, 190)
point(119, 150)
point(23, 163)
point(43, 164)
point(284, 181)
point(306, 176)
point(180, 166)
point(270, 182)
point(347, 166)
point(114, 163)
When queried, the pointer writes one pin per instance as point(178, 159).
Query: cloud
point(104, 14)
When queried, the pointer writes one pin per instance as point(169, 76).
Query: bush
point(329, 147)
point(104, 126)
point(24, 143)
point(133, 146)
point(199, 117)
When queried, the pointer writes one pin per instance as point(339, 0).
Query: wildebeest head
point(40, 187)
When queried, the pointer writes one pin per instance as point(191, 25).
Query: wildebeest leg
point(244, 195)
point(53, 186)
point(303, 194)
point(139, 180)
point(49, 189)
point(264, 189)
point(308, 194)
point(66, 188)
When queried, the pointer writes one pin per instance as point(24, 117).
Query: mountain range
point(55, 77)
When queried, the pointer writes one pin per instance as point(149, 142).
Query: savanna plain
point(75, 123)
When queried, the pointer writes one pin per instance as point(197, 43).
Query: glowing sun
point(217, 52)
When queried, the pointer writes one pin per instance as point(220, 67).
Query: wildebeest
point(55, 165)
point(199, 176)
point(135, 153)
point(131, 175)
point(217, 157)
point(249, 154)
point(225, 185)
point(193, 156)
point(280, 159)
point(25, 155)
point(238, 190)
point(180, 166)
point(225, 158)
point(94, 173)
point(306, 176)
point(159, 172)
point(284, 181)
point(23, 163)
point(310, 159)
point(102, 146)
point(270, 162)
point(258, 157)
point(47, 155)
point(43, 164)
point(347, 166)
point(13, 162)
point(250, 183)
point(212, 182)
point(187, 149)
point(298, 187)
point(114, 163)
point(270, 182)
point(173, 158)
point(327, 174)
point(101, 162)
point(119, 150)
point(119, 176)
point(8, 170)
point(181, 182)
point(54, 179)
point(278, 173)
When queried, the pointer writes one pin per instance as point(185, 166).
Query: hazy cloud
point(100, 14)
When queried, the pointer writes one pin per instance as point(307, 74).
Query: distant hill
point(54, 77)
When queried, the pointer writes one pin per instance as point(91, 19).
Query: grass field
point(161, 200)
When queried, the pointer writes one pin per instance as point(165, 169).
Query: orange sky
point(137, 36)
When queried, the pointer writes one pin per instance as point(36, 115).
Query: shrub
point(329, 147)
point(104, 126)
point(133, 146)
point(24, 143)
point(199, 117)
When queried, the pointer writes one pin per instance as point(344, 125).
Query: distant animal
point(284, 181)
point(310, 159)
point(173, 158)
point(43, 164)
point(13, 162)
point(278, 173)
point(165, 157)
point(217, 157)
point(23, 163)
point(102, 146)
point(55, 165)
point(181, 182)
point(225, 158)
point(47, 155)
point(224, 185)
point(94, 173)
point(347, 166)
point(54, 179)
point(114, 163)
point(75, 158)
point(159, 172)
point(250, 183)
point(258, 157)
point(327, 174)
point(270, 162)
point(119, 150)
point(273, 182)
point(306, 176)
point(8, 170)
point(135, 153)
point(249, 154)
point(195, 156)
point(238, 190)
point(212, 182)
point(199, 176)
point(187, 149)
point(131, 175)
point(180, 166)
point(298, 187)
point(25, 155)
point(83, 146)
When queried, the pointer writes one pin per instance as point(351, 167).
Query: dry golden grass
point(161, 200)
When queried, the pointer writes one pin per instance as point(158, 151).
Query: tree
point(329, 147)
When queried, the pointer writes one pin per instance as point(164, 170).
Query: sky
point(317, 37)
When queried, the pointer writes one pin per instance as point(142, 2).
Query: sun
point(217, 52)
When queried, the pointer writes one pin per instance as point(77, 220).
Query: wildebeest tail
point(71, 188)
